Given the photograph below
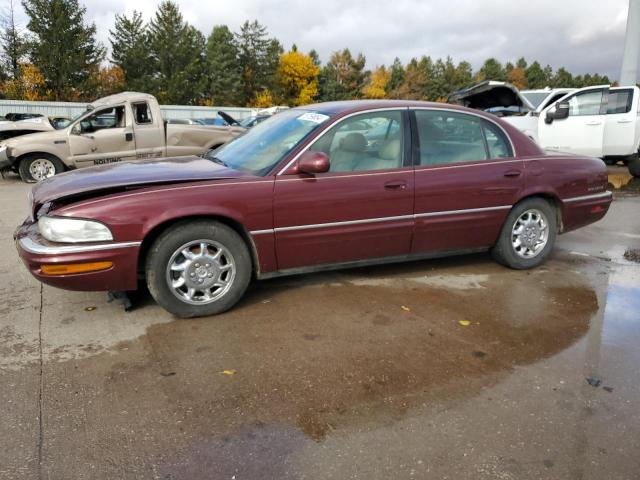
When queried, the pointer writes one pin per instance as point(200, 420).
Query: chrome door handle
point(593, 124)
point(625, 121)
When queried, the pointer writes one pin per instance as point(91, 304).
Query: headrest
point(391, 150)
point(353, 142)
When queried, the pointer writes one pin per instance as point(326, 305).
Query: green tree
point(562, 78)
point(12, 41)
point(343, 77)
point(258, 58)
point(415, 82)
point(491, 70)
point(222, 67)
point(536, 76)
point(396, 77)
point(64, 46)
point(315, 57)
point(130, 51)
point(177, 53)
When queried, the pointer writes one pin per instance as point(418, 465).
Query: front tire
point(527, 236)
point(198, 268)
point(39, 166)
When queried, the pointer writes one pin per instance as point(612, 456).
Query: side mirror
point(313, 162)
point(559, 113)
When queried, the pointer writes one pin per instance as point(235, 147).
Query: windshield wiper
point(218, 161)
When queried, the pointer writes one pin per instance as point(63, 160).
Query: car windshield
point(535, 98)
point(265, 145)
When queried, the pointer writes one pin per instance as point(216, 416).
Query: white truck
point(600, 121)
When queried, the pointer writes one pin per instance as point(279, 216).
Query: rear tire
point(634, 166)
point(527, 236)
point(198, 268)
point(39, 166)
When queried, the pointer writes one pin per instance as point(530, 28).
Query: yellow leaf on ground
point(228, 372)
point(406, 309)
point(464, 323)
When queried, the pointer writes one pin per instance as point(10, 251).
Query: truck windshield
point(265, 145)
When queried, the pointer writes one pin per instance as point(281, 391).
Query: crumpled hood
point(130, 174)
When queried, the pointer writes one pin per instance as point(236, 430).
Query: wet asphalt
point(455, 368)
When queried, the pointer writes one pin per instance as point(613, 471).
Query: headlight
point(73, 230)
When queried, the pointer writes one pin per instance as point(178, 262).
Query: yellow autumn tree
point(518, 78)
point(298, 77)
point(263, 99)
point(29, 85)
point(376, 87)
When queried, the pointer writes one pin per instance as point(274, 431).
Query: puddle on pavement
point(325, 356)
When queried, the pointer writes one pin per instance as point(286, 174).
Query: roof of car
point(349, 106)
point(121, 98)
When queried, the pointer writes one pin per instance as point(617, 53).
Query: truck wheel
point(527, 236)
point(634, 166)
point(38, 166)
point(198, 268)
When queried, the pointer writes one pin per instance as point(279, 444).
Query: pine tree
point(491, 70)
point(177, 54)
point(258, 58)
point(396, 78)
point(12, 41)
point(222, 67)
point(130, 51)
point(64, 48)
point(343, 77)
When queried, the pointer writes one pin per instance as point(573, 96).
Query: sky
point(581, 35)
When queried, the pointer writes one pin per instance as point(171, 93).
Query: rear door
point(467, 178)
point(582, 132)
point(621, 127)
point(362, 208)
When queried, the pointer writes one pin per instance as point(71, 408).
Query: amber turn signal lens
point(75, 268)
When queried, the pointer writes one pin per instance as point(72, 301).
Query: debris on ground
point(608, 389)
point(406, 309)
point(479, 354)
point(632, 254)
point(89, 309)
point(464, 323)
point(594, 382)
point(228, 372)
point(167, 374)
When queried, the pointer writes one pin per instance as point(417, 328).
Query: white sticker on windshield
point(313, 117)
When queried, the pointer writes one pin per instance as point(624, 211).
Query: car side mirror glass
point(562, 110)
point(313, 163)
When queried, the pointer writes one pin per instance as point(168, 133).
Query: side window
point(619, 101)
point(586, 103)
point(371, 141)
point(142, 113)
point(449, 137)
point(497, 143)
point(104, 119)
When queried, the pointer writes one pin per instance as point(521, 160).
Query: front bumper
point(36, 251)
point(5, 162)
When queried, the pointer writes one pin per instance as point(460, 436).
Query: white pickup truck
point(125, 126)
point(600, 121)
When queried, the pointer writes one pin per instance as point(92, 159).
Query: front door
point(104, 137)
point(467, 179)
point(582, 132)
point(362, 208)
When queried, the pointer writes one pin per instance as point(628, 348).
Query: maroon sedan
point(324, 186)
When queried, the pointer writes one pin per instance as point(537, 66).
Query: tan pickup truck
point(126, 126)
